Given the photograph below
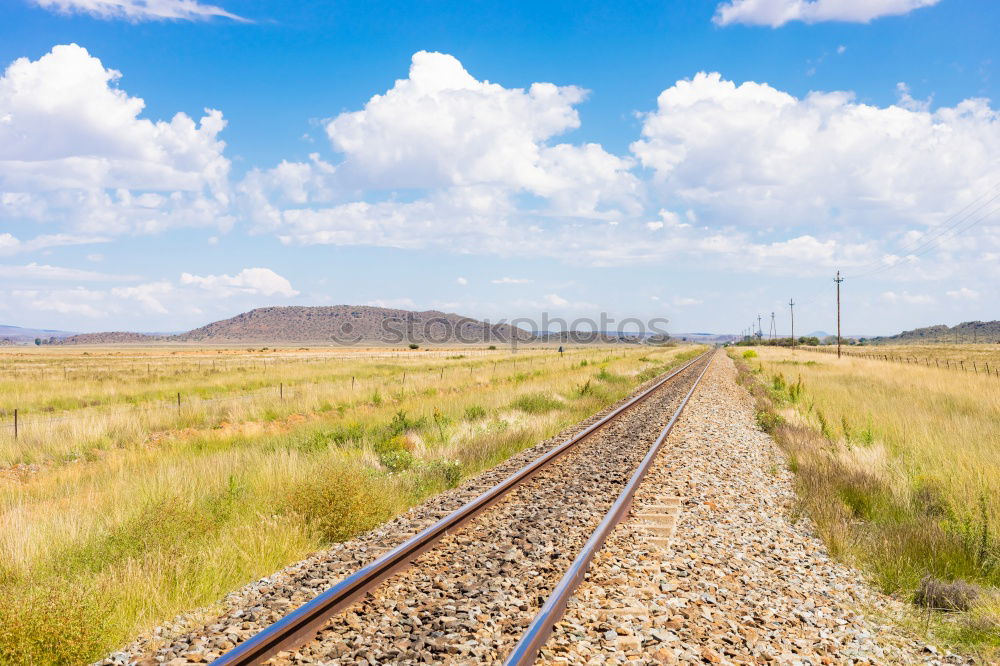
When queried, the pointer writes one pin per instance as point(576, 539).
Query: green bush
point(612, 378)
point(749, 354)
point(536, 403)
point(769, 421)
point(449, 472)
point(339, 435)
point(339, 501)
point(396, 460)
point(475, 413)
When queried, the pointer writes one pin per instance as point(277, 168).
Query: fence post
point(352, 382)
point(15, 423)
point(178, 401)
point(281, 390)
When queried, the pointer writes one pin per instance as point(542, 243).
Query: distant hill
point(16, 334)
point(347, 324)
point(964, 333)
point(112, 338)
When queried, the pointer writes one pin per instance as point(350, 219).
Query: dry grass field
point(899, 466)
point(120, 508)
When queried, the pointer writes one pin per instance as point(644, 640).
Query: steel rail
point(302, 624)
point(538, 632)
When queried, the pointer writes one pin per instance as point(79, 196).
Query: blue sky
point(701, 161)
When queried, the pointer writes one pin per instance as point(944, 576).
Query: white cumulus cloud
point(776, 13)
point(74, 149)
point(262, 281)
point(442, 127)
point(758, 155)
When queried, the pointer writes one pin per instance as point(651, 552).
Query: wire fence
point(962, 365)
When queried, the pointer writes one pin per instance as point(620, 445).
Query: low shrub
point(448, 471)
point(749, 354)
point(610, 378)
point(535, 403)
point(769, 421)
point(957, 595)
point(338, 501)
point(396, 460)
point(475, 413)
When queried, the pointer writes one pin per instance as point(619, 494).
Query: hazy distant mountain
point(348, 324)
point(113, 338)
point(964, 333)
point(18, 334)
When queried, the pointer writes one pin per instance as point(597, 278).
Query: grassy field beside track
point(899, 466)
point(129, 510)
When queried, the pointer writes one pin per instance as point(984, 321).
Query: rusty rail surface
point(301, 625)
point(538, 632)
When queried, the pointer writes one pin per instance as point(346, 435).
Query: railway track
point(488, 581)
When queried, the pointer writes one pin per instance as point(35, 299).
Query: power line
point(991, 194)
point(930, 244)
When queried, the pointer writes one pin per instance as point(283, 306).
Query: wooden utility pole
point(760, 328)
point(791, 307)
point(838, 280)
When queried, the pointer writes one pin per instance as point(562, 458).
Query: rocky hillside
point(349, 324)
point(964, 333)
point(338, 324)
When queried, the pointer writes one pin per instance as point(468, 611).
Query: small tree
point(414, 345)
point(38, 342)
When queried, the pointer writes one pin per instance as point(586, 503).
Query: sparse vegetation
point(139, 510)
point(898, 468)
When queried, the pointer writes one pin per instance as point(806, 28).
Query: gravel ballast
point(740, 582)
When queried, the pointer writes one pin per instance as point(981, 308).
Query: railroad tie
point(656, 523)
